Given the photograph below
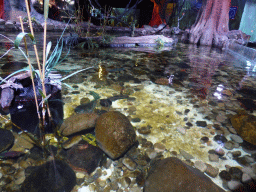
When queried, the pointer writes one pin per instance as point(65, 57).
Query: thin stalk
point(38, 62)
point(31, 72)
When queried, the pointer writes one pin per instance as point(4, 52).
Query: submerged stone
point(114, 133)
point(77, 123)
point(53, 176)
point(171, 174)
point(86, 107)
point(6, 139)
point(84, 157)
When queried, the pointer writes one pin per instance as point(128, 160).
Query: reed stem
point(31, 72)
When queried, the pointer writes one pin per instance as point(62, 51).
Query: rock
point(84, 157)
point(236, 138)
point(2, 22)
point(200, 165)
point(7, 96)
point(233, 184)
point(213, 158)
point(245, 125)
point(52, 176)
point(78, 122)
point(211, 171)
point(171, 174)
point(114, 133)
point(186, 155)
point(224, 175)
point(201, 123)
point(86, 107)
point(129, 163)
point(246, 178)
point(9, 25)
point(220, 139)
point(6, 139)
point(236, 173)
point(229, 145)
point(71, 141)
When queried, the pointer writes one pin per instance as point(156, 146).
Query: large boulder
point(114, 133)
point(171, 174)
point(245, 126)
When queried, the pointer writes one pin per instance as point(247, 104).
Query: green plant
point(159, 43)
point(49, 62)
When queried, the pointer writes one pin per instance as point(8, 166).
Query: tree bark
point(211, 23)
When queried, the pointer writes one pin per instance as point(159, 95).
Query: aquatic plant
point(40, 77)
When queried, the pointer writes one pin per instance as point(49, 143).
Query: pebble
point(220, 152)
point(236, 138)
point(200, 165)
point(72, 141)
point(220, 139)
point(236, 173)
point(151, 153)
point(246, 178)
point(186, 155)
point(204, 139)
point(211, 171)
point(135, 120)
point(125, 182)
point(181, 130)
point(224, 175)
point(129, 163)
point(201, 123)
point(159, 147)
point(236, 153)
point(221, 118)
point(228, 145)
point(233, 184)
point(145, 130)
point(213, 158)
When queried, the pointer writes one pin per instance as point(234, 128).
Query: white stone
point(2, 22)
point(236, 138)
point(232, 185)
point(246, 178)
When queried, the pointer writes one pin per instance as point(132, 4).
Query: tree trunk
point(248, 21)
point(211, 24)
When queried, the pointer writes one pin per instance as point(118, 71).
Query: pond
point(183, 101)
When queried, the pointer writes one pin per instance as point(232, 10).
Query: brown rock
point(171, 174)
point(114, 133)
point(245, 125)
point(78, 122)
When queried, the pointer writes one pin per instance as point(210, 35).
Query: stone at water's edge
point(52, 176)
point(114, 133)
point(148, 39)
point(78, 122)
point(245, 126)
point(171, 174)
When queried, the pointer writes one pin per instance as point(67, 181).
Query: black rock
point(105, 102)
point(236, 173)
point(220, 139)
point(6, 139)
point(86, 107)
point(85, 156)
point(224, 175)
point(53, 176)
point(247, 104)
point(201, 123)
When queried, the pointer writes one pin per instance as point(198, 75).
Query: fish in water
point(86, 107)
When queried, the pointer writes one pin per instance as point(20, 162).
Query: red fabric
point(1, 9)
point(155, 19)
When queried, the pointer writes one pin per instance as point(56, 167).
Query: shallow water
point(174, 87)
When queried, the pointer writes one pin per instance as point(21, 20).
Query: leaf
point(19, 38)
point(48, 48)
point(41, 93)
point(46, 9)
